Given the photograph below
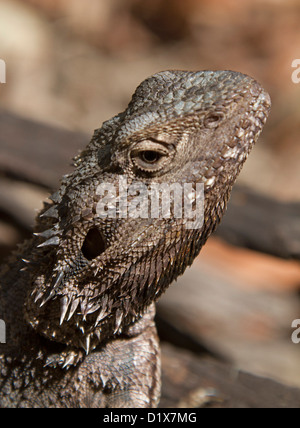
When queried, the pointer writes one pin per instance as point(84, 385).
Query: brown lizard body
point(79, 316)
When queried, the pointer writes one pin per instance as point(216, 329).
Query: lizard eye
point(150, 156)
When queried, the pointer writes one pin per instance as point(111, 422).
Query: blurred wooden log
point(261, 223)
point(235, 307)
point(36, 152)
point(190, 381)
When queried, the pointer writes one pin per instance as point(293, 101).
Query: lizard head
point(109, 243)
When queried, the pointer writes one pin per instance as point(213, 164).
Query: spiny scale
point(52, 241)
point(64, 305)
point(55, 197)
point(38, 296)
point(68, 361)
point(119, 317)
point(87, 344)
point(47, 233)
point(51, 292)
point(103, 311)
point(74, 306)
point(51, 212)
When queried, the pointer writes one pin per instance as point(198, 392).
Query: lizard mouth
point(93, 244)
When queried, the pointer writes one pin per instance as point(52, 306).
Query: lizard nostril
point(93, 244)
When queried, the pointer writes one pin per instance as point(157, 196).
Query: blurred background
point(73, 64)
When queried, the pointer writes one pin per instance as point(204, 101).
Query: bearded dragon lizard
point(78, 298)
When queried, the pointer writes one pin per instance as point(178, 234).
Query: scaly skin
point(79, 316)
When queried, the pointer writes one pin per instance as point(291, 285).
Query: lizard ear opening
point(93, 244)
